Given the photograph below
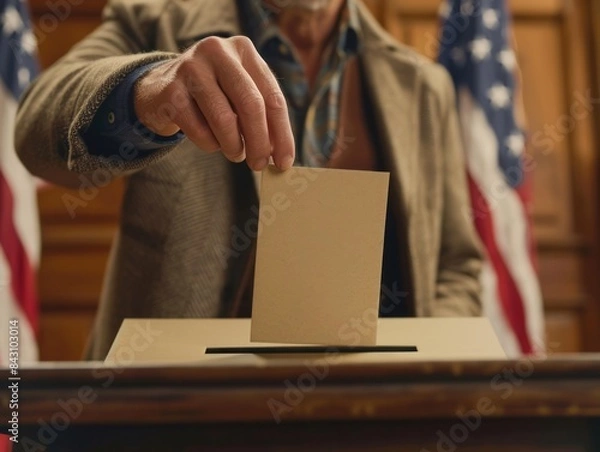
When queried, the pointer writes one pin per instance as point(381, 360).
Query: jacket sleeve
point(460, 260)
point(59, 106)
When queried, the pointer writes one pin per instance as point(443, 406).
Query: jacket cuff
point(116, 123)
point(104, 76)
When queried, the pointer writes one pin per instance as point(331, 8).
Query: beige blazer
point(176, 254)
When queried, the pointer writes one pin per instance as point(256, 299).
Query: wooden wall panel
point(376, 7)
point(91, 205)
point(593, 222)
point(552, 41)
point(423, 36)
point(74, 247)
point(546, 103)
point(63, 334)
point(564, 331)
point(581, 25)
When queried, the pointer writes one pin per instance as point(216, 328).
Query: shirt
point(313, 115)
point(116, 125)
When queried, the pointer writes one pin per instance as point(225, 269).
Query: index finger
point(278, 120)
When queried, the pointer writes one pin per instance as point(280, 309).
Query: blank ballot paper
point(319, 256)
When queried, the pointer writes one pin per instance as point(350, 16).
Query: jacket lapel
point(391, 85)
point(391, 79)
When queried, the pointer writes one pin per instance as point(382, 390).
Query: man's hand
point(223, 96)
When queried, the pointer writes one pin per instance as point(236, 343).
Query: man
point(317, 81)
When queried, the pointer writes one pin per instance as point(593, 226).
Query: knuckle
point(210, 45)
point(252, 104)
point(275, 101)
point(242, 41)
point(244, 47)
point(223, 119)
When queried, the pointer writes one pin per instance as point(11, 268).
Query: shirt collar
point(262, 28)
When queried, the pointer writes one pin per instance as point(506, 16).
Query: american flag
point(19, 222)
point(475, 47)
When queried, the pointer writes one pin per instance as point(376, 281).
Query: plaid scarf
point(314, 115)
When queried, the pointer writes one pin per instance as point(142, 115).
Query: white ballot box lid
point(185, 341)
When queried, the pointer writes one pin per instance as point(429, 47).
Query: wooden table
point(551, 405)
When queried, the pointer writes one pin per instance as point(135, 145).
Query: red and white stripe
point(5, 443)
point(19, 241)
point(511, 293)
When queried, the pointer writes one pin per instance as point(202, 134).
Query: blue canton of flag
point(18, 54)
point(476, 51)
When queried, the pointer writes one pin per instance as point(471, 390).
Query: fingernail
point(287, 162)
point(239, 158)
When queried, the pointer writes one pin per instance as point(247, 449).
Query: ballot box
point(549, 404)
point(202, 385)
point(197, 341)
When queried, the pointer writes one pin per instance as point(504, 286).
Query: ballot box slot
point(311, 349)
